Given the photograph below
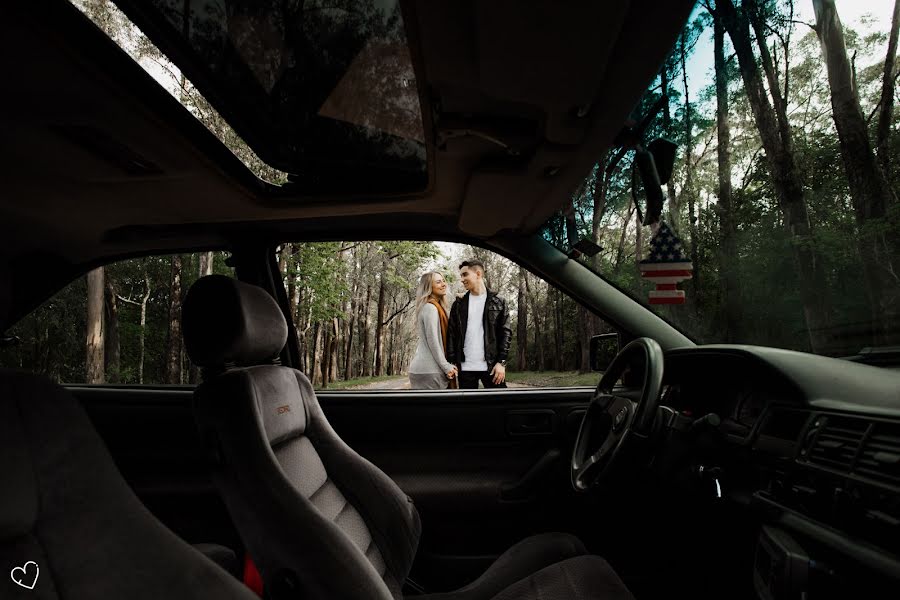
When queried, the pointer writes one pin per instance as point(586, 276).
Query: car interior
point(685, 470)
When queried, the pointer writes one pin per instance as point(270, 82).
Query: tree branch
point(128, 300)
point(398, 312)
point(878, 105)
point(796, 22)
point(744, 178)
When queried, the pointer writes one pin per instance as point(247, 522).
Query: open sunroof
point(321, 89)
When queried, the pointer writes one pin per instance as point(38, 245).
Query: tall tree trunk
point(204, 269)
point(111, 334)
point(379, 329)
point(869, 189)
point(729, 261)
point(689, 178)
point(303, 328)
point(522, 324)
point(173, 350)
point(756, 16)
point(350, 321)
point(674, 209)
point(350, 331)
point(557, 312)
point(886, 112)
point(638, 238)
point(207, 260)
point(366, 369)
point(94, 344)
point(283, 255)
point(333, 363)
point(785, 178)
point(620, 248)
point(391, 335)
point(584, 328)
point(315, 373)
point(538, 338)
point(601, 187)
point(142, 337)
point(326, 353)
point(293, 294)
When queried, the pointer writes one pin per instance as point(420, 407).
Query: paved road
point(401, 383)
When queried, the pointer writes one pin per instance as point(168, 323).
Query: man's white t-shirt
point(473, 345)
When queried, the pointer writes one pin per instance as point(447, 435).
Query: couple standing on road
point(469, 345)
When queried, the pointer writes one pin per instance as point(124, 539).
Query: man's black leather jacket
point(497, 333)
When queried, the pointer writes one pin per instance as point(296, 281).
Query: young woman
point(429, 369)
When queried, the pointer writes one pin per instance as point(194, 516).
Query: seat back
point(315, 516)
point(70, 527)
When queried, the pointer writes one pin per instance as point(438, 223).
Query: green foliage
point(771, 310)
point(53, 337)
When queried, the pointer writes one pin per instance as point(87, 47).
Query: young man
point(478, 335)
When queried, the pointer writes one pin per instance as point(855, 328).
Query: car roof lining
point(67, 205)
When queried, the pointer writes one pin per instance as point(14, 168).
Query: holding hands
point(498, 374)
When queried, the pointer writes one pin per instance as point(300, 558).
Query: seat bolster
point(520, 561)
point(282, 529)
point(580, 578)
point(388, 511)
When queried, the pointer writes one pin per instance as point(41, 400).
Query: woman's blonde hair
point(423, 293)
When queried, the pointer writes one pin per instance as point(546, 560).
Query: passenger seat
point(70, 527)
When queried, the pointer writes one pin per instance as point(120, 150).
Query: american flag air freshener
point(666, 266)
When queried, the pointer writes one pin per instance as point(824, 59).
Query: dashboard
point(730, 385)
point(810, 444)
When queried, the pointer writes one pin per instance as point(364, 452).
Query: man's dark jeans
point(468, 380)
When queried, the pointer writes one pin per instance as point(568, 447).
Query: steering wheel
point(612, 421)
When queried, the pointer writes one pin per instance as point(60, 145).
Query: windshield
point(779, 223)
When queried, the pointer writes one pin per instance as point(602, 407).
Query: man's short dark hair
point(472, 263)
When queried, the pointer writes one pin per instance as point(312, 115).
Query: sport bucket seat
point(319, 520)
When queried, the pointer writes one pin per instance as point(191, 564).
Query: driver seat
point(319, 520)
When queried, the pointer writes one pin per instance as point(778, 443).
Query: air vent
point(880, 455)
point(838, 442)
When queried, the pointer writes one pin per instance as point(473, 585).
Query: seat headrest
point(229, 322)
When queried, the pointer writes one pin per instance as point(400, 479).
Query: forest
point(784, 192)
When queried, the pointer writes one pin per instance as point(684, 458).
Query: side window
point(118, 324)
point(366, 320)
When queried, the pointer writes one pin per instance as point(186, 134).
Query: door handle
point(530, 422)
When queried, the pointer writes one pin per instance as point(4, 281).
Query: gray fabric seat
point(316, 517)
point(65, 507)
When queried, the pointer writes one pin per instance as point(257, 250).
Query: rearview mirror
point(604, 348)
point(663, 152)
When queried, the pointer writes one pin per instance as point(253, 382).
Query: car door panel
point(151, 435)
point(485, 468)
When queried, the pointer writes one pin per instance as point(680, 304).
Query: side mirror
point(604, 348)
